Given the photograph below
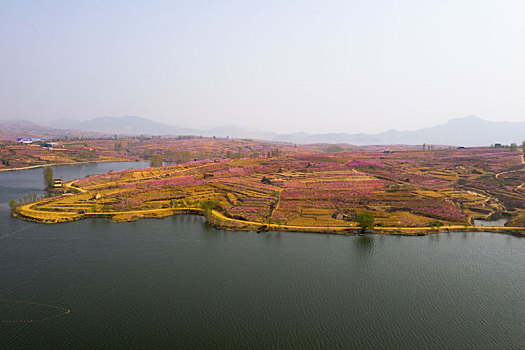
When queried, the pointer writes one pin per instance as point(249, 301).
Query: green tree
point(155, 161)
point(276, 152)
point(365, 221)
point(513, 147)
point(435, 224)
point(208, 206)
point(12, 204)
point(523, 146)
point(333, 149)
point(48, 177)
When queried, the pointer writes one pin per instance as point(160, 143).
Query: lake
point(179, 283)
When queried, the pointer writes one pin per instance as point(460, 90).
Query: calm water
point(177, 283)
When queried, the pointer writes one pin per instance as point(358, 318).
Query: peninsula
point(318, 188)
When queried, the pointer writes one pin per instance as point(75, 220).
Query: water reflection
point(364, 245)
point(272, 237)
point(434, 237)
point(208, 227)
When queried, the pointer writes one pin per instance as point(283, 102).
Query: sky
point(283, 66)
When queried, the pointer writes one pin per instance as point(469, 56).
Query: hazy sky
point(317, 66)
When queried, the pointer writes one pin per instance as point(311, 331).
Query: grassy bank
point(218, 220)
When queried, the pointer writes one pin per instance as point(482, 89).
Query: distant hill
point(130, 125)
point(123, 126)
point(15, 128)
point(467, 131)
point(238, 132)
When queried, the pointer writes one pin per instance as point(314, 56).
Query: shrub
point(435, 224)
point(208, 205)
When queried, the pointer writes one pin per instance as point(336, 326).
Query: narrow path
point(497, 176)
point(70, 184)
point(276, 203)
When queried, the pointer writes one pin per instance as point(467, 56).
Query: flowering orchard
point(305, 186)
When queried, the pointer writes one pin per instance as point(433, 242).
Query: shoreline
point(219, 221)
point(59, 164)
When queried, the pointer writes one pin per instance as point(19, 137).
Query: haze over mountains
point(466, 131)
point(122, 126)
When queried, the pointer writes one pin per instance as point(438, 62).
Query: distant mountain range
point(15, 128)
point(121, 126)
point(467, 131)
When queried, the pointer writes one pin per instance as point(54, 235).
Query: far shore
point(70, 163)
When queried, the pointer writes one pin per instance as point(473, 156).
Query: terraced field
point(313, 189)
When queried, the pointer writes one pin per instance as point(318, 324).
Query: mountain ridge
point(464, 131)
